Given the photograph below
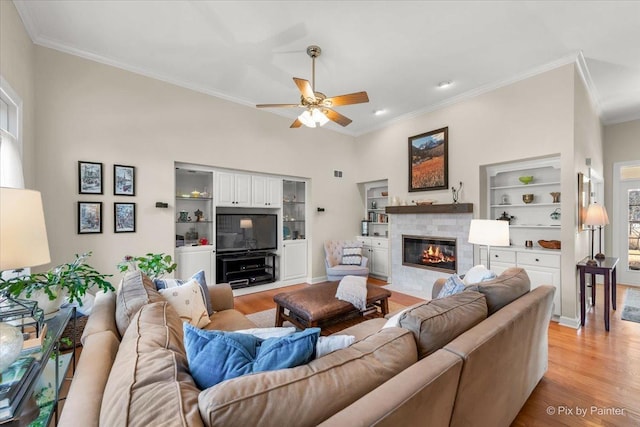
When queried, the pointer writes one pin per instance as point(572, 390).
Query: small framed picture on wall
point(124, 180)
point(89, 178)
point(89, 217)
point(124, 217)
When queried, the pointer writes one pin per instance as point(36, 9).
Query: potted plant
point(71, 280)
point(153, 265)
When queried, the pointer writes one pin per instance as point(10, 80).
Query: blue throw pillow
point(216, 356)
point(199, 277)
point(453, 285)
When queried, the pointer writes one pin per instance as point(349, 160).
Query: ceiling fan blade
point(296, 124)
point(336, 117)
point(277, 105)
point(351, 98)
point(305, 89)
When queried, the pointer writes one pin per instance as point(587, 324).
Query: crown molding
point(583, 72)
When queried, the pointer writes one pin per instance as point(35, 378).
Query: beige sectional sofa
point(481, 377)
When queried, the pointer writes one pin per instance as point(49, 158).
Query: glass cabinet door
point(293, 210)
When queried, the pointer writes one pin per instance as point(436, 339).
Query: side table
point(606, 267)
point(45, 385)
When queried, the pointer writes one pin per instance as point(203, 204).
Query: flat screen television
point(246, 232)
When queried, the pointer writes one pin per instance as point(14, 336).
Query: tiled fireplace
point(413, 270)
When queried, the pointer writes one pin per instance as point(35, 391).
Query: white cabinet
point(233, 189)
point(294, 259)
point(191, 259)
point(542, 267)
point(536, 220)
point(377, 251)
point(266, 192)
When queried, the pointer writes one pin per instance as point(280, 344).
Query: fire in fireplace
point(434, 253)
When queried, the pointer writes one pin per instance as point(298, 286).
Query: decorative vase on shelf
point(10, 345)
point(556, 196)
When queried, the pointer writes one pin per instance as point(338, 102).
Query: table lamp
point(23, 243)
point(596, 216)
point(489, 232)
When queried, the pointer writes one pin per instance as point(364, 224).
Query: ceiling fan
point(318, 108)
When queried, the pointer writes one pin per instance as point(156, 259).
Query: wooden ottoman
point(317, 304)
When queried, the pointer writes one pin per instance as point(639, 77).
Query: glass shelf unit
point(193, 199)
point(293, 210)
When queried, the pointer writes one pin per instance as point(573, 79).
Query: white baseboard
point(570, 322)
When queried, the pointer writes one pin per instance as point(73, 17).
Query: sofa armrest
point(364, 262)
point(221, 296)
point(437, 287)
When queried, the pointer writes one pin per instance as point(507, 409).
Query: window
point(10, 139)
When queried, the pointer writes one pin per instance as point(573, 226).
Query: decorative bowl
point(550, 244)
point(527, 198)
point(423, 202)
point(384, 193)
point(526, 179)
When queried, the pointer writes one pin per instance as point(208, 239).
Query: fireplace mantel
point(452, 208)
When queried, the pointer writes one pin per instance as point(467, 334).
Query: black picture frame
point(124, 217)
point(89, 217)
point(89, 177)
point(429, 160)
point(124, 180)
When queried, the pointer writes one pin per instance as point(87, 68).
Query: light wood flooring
point(590, 370)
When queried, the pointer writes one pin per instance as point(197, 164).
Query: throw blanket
point(353, 289)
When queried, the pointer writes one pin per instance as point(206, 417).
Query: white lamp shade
point(596, 215)
point(246, 223)
point(307, 119)
point(23, 234)
point(319, 117)
point(489, 232)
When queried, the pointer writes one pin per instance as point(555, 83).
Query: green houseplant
point(72, 279)
point(153, 265)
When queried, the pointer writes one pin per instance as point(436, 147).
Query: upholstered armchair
point(339, 264)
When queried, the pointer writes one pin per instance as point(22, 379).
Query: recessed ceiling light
point(445, 84)
point(379, 111)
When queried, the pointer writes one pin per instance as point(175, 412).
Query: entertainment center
point(241, 270)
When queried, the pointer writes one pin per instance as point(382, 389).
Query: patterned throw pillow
point(199, 277)
point(351, 256)
point(453, 285)
point(188, 302)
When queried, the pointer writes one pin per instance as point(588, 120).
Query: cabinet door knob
point(537, 260)
point(495, 256)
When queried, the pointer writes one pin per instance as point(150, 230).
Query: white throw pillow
point(394, 321)
point(353, 289)
point(187, 300)
point(264, 333)
point(477, 274)
point(326, 345)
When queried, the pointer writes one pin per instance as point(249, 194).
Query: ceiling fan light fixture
point(307, 119)
point(319, 117)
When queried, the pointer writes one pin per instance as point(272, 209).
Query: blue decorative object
point(453, 285)
point(216, 356)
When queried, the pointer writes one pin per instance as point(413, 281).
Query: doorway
point(626, 230)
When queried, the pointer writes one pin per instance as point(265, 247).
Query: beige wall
point(587, 145)
point(17, 67)
point(93, 112)
point(621, 144)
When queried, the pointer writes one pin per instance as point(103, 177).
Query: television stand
point(242, 270)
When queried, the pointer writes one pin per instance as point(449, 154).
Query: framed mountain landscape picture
point(428, 160)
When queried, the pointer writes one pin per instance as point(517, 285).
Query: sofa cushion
point(216, 356)
point(438, 321)
point(198, 277)
point(135, 291)
point(351, 256)
point(188, 301)
point(328, 384)
point(102, 318)
point(509, 286)
point(150, 380)
point(229, 320)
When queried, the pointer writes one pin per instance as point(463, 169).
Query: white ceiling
point(398, 51)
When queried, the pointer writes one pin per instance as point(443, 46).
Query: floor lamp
point(489, 232)
point(596, 217)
